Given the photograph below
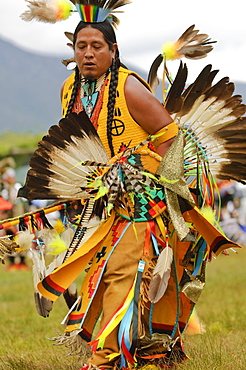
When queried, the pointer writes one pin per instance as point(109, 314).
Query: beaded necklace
point(89, 92)
point(78, 106)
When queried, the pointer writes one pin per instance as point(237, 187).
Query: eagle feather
point(161, 275)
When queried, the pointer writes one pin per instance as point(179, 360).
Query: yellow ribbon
point(116, 319)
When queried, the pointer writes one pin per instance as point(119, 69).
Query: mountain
point(30, 86)
point(240, 88)
point(30, 89)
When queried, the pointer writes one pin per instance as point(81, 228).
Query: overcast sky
point(145, 26)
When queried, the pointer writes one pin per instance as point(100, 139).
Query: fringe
point(149, 355)
point(76, 345)
point(144, 289)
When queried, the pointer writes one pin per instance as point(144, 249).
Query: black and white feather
point(213, 121)
point(55, 172)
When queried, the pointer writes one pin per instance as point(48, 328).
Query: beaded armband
point(164, 134)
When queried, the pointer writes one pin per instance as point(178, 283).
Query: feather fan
point(54, 172)
point(161, 275)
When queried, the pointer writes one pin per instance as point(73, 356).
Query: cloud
point(145, 26)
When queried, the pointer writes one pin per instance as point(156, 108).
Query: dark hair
point(105, 27)
point(110, 37)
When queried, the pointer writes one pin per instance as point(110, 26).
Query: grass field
point(222, 308)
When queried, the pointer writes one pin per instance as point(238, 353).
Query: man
point(94, 56)
point(141, 280)
point(97, 58)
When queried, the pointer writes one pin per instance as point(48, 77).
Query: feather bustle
point(214, 118)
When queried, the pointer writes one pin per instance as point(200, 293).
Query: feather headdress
point(99, 10)
point(52, 11)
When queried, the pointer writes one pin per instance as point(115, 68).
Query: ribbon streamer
point(29, 216)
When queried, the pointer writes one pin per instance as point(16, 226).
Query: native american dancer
point(144, 175)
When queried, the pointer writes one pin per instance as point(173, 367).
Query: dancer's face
point(92, 53)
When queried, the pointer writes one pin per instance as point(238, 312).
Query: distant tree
point(19, 146)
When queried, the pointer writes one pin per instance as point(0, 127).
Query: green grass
point(23, 333)
point(222, 308)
